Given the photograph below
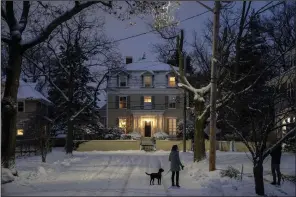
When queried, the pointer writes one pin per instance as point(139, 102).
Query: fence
point(26, 147)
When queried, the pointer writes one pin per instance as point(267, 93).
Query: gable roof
point(146, 65)
point(27, 91)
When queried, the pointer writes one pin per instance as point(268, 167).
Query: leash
point(167, 173)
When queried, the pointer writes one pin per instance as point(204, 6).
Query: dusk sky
point(135, 47)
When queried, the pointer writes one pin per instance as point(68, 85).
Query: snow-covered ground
point(122, 173)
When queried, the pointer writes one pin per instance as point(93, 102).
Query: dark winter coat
point(174, 158)
point(276, 155)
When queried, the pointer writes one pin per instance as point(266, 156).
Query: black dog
point(156, 176)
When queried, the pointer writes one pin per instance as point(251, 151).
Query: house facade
point(143, 96)
point(285, 108)
point(32, 109)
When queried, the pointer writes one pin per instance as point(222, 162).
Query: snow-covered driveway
point(122, 173)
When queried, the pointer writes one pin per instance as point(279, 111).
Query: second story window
point(122, 81)
point(172, 81)
point(21, 106)
point(147, 102)
point(172, 102)
point(147, 81)
point(122, 102)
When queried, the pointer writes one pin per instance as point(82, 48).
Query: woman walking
point(175, 165)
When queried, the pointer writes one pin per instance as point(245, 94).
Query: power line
point(137, 35)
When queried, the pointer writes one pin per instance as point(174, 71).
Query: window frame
point(171, 97)
point(125, 102)
point(148, 105)
point(23, 102)
point(119, 80)
point(169, 77)
point(172, 126)
point(151, 81)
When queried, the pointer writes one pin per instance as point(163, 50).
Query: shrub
point(126, 137)
point(230, 172)
point(189, 129)
point(160, 135)
point(290, 145)
point(113, 133)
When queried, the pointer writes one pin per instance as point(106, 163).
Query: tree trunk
point(199, 140)
point(258, 176)
point(9, 106)
point(69, 146)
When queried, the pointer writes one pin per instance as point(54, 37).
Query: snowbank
point(7, 176)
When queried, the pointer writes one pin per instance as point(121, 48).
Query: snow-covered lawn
point(122, 173)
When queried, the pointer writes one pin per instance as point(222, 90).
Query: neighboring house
point(31, 106)
point(286, 82)
point(144, 97)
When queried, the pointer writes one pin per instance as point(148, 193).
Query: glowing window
point(172, 81)
point(147, 81)
point(122, 123)
point(20, 132)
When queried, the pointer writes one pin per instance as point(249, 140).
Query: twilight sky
point(135, 47)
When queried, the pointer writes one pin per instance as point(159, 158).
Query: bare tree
point(230, 77)
point(21, 36)
point(269, 114)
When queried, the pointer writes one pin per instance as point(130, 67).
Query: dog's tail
point(147, 173)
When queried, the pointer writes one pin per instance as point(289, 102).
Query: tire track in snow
point(116, 174)
point(105, 163)
point(131, 168)
point(163, 181)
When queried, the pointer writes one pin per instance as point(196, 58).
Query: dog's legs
point(150, 181)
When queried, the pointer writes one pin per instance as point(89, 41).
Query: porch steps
point(147, 144)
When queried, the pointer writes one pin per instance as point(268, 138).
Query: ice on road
point(122, 173)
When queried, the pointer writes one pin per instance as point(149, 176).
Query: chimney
point(128, 59)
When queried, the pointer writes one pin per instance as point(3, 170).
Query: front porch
point(148, 123)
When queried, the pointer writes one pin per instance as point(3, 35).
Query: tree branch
point(24, 18)
point(59, 20)
point(94, 98)
point(47, 76)
point(3, 14)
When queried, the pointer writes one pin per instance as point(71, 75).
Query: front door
point(147, 129)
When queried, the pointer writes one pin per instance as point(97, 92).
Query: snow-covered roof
point(146, 65)
point(27, 91)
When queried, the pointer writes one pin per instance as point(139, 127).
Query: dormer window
point(147, 81)
point(122, 81)
point(172, 81)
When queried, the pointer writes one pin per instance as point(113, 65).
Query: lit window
point(122, 123)
point(122, 102)
point(122, 81)
point(172, 102)
point(147, 102)
point(172, 81)
point(172, 126)
point(20, 106)
point(147, 81)
point(20, 132)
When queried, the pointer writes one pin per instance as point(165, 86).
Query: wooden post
point(212, 154)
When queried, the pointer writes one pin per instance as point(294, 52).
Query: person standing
point(174, 158)
point(275, 164)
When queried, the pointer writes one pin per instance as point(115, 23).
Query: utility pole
point(184, 110)
point(216, 24)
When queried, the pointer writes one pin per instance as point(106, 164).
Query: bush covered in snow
point(189, 129)
point(135, 135)
point(6, 176)
point(230, 172)
point(125, 137)
point(113, 133)
point(160, 135)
